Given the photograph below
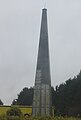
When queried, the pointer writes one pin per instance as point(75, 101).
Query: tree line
point(66, 98)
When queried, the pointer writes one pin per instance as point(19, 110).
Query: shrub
point(14, 111)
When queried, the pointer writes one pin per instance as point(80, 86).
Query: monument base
point(41, 100)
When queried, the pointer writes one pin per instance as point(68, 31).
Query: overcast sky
point(19, 37)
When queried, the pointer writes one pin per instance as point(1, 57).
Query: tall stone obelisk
point(42, 89)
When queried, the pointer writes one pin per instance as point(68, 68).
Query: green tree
point(67, 98)
point(25, 97)
point(14, 102)
point(1, 103)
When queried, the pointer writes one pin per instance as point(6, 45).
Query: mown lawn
point(39, 118)
point(3, 109)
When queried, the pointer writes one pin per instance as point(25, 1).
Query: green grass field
point(38, 118)
point(28, 110)
point(3, 109)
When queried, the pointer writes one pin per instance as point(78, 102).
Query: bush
point(14, 111)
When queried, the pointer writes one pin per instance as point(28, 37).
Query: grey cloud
point(19, 36)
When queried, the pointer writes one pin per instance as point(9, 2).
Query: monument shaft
point(42, 89)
